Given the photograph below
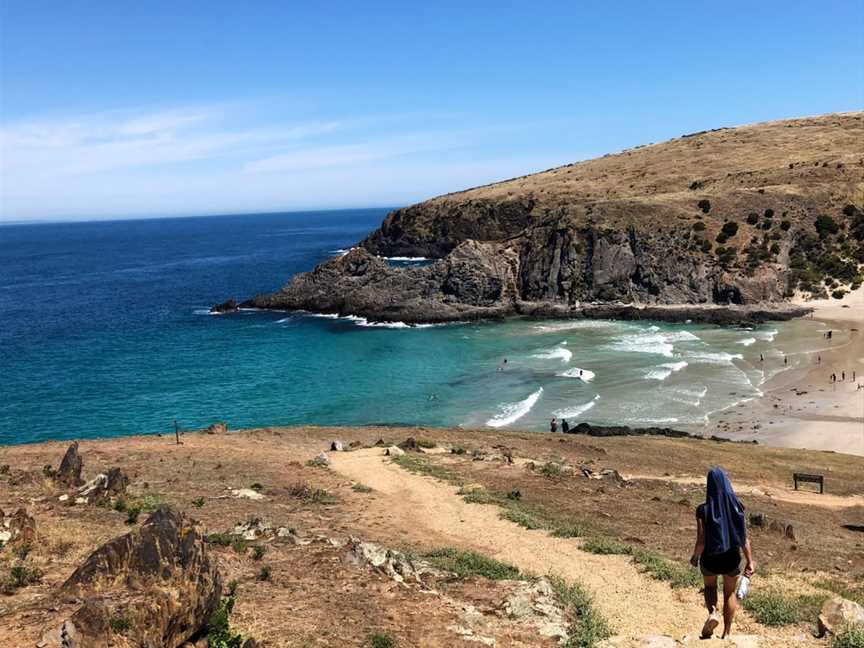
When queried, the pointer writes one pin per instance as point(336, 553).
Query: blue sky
point(113, 109)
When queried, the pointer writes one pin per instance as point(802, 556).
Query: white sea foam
point(284, 319)
point(341, 251)
point(658, 421)
point(512, 412)
point(658, 374)
point(573, 325)
point(362, 321)
point(662, 372)
point(655, 343)
point(582, 374)
point(558, 353)
point(577, 410)
point(653, 328)
point(766, 335)
point(691, 396)
point(406, 258)
point(747, 341)
point(718, 358)
point(204, 311)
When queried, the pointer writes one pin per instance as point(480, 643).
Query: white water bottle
point(743, 587)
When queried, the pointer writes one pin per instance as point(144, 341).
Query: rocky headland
point(721, 226)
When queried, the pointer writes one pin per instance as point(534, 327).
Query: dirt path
point(635, 604)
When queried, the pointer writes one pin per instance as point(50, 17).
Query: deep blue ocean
point(104, 331)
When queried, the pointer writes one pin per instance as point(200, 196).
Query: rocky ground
point(439, 543)
point(741, 215)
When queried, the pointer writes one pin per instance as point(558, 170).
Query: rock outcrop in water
point(738, 216)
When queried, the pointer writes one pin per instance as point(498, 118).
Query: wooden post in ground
point(177, 432)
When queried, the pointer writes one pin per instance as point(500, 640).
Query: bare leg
point(730, 603)
point(710, 592)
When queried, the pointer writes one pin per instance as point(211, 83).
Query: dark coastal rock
point(225, 307)
point(216, 428)
point(159, 579)
point(69, 473)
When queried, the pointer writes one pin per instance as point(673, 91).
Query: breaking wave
point(663, 371)
point(577, 410)
point(558, 353)
point(747, 341)
point(655, 343)
point(718, 358)
point(512, 412)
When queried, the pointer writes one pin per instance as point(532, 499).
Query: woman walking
point(721, 536)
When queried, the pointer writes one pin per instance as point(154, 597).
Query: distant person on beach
point(785, 360)
point(761, 358)
point(553, 425)
point(842, 376)
point(565, 426)
point(819, 359)
point(721, 536)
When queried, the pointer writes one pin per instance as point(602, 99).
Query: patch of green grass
point(571, 530)
point(523, 518)
point(258, 552)
point(381, 640)
point(120, 505)
point(606, 546)
point(264, 574)
point(851, 637)
point(22, 576)
point(239, 545)
point(361, 488)
point(773, 608)
point(422, 466)
point(587, 625)
point(150, 503)
point(678, 575)
point(853, 593)
point(312, 495)
point(198, 502)
point(470, 563)
point(220, 539)
point(426, 443)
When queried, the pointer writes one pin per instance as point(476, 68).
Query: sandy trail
point(634, 604)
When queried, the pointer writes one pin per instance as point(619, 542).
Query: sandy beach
point(802, 407)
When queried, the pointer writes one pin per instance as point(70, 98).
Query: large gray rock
point(159, 578)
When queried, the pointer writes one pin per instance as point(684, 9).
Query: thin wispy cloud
point(200, 158)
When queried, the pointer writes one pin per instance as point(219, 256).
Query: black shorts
point(727, 563)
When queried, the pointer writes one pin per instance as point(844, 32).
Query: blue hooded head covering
point(724, 515)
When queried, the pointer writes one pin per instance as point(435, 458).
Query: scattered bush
point(568, 531)
point(313, 495)
point(219, 634)
point(257, 487)
point(361, 488)
point(825, 226)
point(769, 213)
point(606, 546)
point(704, 205)
point(785, 225)
point(49, 471)
point(132, 513)
point(752, 218)
point(198, 502)
point(264, 574)
point(425, 443)
point(381, 640)
point(729, 228)
point(523, 519)
point(258, 552)
point(775, 248)
point(839, 294)
point(220, 539)
point(119, 625)
point(698, 226)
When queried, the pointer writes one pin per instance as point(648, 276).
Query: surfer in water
point(721, 537)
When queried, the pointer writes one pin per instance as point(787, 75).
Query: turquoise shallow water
point(104, 331)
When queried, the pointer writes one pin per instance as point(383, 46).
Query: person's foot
point(710, 625)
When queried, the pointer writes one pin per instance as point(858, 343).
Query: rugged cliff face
point(735, 216)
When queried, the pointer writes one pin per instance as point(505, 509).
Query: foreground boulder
point(158, 579)
point(69, 473)
point(838, 614)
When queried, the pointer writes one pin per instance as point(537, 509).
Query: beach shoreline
point(801, 407)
